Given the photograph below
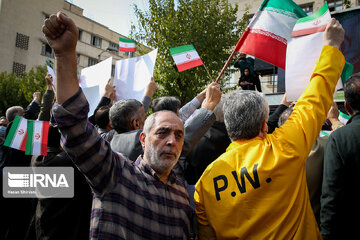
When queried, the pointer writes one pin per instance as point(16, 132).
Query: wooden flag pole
point(225, 66)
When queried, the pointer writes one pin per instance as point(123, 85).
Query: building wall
point(27, 18)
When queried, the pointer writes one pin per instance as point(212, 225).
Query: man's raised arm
point(62, 35)
point(303, 126)
point(81, 141)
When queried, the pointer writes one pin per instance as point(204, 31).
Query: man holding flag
point(257, 189)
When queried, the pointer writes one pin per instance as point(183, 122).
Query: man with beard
point(132, 200)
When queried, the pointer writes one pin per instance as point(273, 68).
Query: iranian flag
point(16, 137)
point(37, 137)
point(314, 23)
point(269, 30)
point(185, 57)
point(126, 45)
point(307, 40)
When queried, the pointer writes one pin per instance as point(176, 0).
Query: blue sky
point(115, 14)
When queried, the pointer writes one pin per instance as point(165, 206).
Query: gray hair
point(150, 120)
point(123, 112)
point(284, 116)
point(11, 112)
point(244, 113)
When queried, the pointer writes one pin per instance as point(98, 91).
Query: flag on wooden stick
point(126, 45)
point(185, 57)
point(269, 30)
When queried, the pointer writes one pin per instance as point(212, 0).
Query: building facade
point(23, 45)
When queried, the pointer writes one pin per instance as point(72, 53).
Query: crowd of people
point(216, 168)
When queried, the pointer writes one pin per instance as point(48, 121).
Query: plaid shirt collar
point(144, 166)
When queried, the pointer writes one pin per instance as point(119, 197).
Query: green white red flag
point(314, 23)
point(16, 137)
point(185, 57)
point(307, 40)
point(269, 30)
point(29, 136)
point(127, 45)
point(37, 137)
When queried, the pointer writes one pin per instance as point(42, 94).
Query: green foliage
point(18, 91)
point(347, 4)
point(210, 25)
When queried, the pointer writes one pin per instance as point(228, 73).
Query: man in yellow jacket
point(257, 188)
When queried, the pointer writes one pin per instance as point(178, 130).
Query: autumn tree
point(210, 25)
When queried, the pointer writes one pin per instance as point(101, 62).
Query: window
point(130, 54)
point(18, 68)
point(80, 34)
point(92, 61)
point(308, 8)
point(335, 5)
point(46, 50)
point(114, 46)
point(78, 58)
point(22, 41)
point(96, 41)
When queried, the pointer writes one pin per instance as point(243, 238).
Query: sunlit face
point(163, 144)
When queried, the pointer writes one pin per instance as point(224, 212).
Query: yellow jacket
point(257, 189)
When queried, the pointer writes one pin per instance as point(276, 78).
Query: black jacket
point(63, 218)
point(210, 147)
point(340, 208)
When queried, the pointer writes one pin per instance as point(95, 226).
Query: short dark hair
point(352, 92)
point(166, 103)
point(123, 112)
point(102, 116)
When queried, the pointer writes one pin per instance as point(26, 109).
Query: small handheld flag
point(185, 57)
point(37, 137)
point(16, 137)
point(126, 45)
point(29, 136)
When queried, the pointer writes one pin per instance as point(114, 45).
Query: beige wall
point(27, 17)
